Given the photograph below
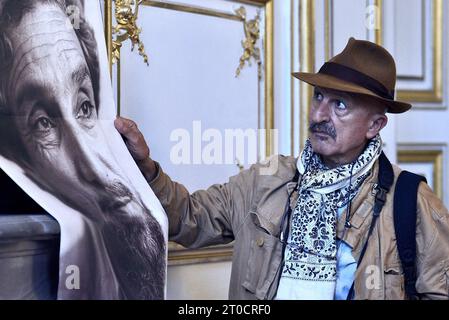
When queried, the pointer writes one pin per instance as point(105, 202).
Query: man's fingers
point(133, 137)
point(125, 126)
point(128, 129)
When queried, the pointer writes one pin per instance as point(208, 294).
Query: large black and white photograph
point(212, 150)
point(59, 144)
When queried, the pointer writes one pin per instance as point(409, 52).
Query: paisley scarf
point(311, 252)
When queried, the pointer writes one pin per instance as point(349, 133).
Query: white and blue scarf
point(310, 266)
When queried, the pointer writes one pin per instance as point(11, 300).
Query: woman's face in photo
point(52, 100)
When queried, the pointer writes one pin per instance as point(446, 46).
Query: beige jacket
point(249, 207)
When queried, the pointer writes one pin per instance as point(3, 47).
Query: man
point(331, 200)
point(50, 127)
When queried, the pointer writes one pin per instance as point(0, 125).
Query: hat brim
point(330, 82)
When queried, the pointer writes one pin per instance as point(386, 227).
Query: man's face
point(341, 124)
point(52, 99)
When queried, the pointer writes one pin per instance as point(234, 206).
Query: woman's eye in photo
point(43, 125)
point(86, 110)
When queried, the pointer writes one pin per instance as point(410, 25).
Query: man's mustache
point(116, 196)
point(118, 189)
point(323, 127)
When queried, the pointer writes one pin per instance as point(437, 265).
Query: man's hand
point(137, 146)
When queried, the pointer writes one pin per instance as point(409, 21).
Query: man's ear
point(377, 123)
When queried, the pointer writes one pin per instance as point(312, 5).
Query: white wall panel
point(414, 43)
point(191, 77)
point(349, 19)
point(282, 74)
point(410, 44)
point(208, 281)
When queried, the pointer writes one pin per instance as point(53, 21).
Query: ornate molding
point(307, 62)
point(425, 154)
point(239, 165)
point(178, 255)
point(252, 35)
point(126, 15)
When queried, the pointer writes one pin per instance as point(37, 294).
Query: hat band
point(351, 75)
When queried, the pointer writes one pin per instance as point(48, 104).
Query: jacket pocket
point(359, 217)
point(263, 263)
point(394, 283)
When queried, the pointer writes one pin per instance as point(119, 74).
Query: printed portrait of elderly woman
point(49, 126)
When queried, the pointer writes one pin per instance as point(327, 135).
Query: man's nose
point(93, 160)
point(320, 111)
point(93, 168)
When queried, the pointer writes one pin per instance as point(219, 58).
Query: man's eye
point(340, 105)
point(85, 111)
point(318, 96)
point(43, 124)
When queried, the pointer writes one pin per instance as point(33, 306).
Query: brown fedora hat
point(363, 68)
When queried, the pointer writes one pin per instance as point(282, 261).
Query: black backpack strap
point(385, 180)
point(405, 198)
